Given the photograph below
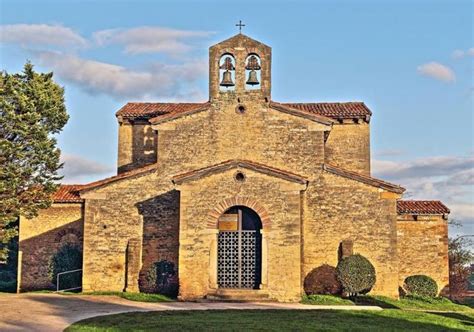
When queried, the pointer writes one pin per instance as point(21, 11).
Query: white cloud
point(437, 71)
point(77, 168)
point(28, 35)
point(149, 39)
point(470, 51)
point(446, 178)
point(458, 54)
point(158, 80)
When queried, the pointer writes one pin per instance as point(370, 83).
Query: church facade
point(242, 195)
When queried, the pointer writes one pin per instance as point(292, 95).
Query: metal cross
point(240, 25)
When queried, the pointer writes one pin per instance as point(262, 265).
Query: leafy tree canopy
point(32, 110)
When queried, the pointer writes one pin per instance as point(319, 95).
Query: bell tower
point(240, 67)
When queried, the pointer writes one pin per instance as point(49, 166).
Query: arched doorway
point(239, 249)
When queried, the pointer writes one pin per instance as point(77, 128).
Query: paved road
point(52, 312)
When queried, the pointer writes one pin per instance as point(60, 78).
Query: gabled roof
point(304, 114)
point(322, 112)
point(150, 110)
point(125, 175)
point(230, 164)
point(421, 207)
point(68, 193)
point(364, 179)
point(240, 39)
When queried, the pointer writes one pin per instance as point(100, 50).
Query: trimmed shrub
point(356, 274)
point(421, 285)
point(322, 280)
point(67, 258)
point(162, 278)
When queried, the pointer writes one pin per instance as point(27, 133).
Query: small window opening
point(239, 177)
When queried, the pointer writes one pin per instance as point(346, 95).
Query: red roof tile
point(68, 193)
point(421, 207)
point(150, 110)
point(347, 110)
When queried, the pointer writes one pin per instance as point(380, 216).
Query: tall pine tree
point(32, 111)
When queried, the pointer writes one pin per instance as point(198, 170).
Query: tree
point(32, 110)
point(460, 258)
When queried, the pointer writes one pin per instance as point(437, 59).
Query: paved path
point(52, 312)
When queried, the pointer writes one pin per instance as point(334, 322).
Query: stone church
point(243, 194)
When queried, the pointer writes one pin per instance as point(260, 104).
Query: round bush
point(322, 280)
point(421, 285)
point(67, 258)
point(161, 278)
point(356, 274)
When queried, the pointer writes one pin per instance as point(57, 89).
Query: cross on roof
point(240, 25)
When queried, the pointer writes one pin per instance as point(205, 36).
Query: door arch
point(239, 248)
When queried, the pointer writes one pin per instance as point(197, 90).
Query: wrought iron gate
point(237, 259)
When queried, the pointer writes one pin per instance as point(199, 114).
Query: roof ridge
point(367, 179)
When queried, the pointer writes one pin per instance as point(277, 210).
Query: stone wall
point(423, 248)
point(145, 208)
point(137, 145)
point(279, 202)
point(337, 209)
point(348, 146)
point(41, 237)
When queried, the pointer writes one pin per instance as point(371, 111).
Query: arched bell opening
point(239, 249)
point(227, 72)
point(253, 69)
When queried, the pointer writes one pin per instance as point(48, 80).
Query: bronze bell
point(252, 63)
point(227, 79)
point(253, 80)
point(227, 64)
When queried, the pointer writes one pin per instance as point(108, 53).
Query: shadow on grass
point(368, 300)
point(463, 319)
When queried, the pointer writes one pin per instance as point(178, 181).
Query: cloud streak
point(437, 71)
point(156, 80)
point(76, 168)
point(28, 35)
point(149, 39)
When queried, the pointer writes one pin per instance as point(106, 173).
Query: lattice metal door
point(236, 259)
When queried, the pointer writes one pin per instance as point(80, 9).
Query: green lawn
point(406, 303)
point(139, 297)
point(278, 320)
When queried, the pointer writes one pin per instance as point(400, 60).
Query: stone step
point(238, 295)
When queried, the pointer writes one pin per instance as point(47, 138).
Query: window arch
point(253, 73)
point(227, 72)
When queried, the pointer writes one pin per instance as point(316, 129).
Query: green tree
point(460, 260)
point(32, 110)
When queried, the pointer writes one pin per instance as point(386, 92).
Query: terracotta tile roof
point(364, 179)
point(301, 113)
point(347, 110)
point(421, 207)
point(150, 110)
point(229, 164)
point(68, 193)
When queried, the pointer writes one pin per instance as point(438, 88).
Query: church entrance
point(239, 249)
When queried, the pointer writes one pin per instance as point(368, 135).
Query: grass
point(138, 297)
point(278, 320)
point(406, 303)
point(325, 300)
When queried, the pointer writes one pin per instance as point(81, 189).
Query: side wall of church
point(137, 145)
point(348, 147)
point(337, 209)
point(143, 209)
point(42, 236)
point(423, 248)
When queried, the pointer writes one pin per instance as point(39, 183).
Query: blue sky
point(411, 62)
